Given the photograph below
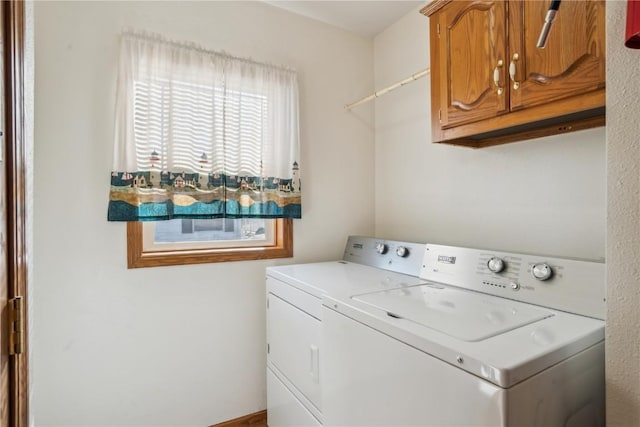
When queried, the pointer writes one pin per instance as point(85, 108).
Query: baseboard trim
point(257, 419)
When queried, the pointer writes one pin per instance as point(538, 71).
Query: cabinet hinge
point(438, 29)
point(268, 348)
point(16, 325)
point(440, 115)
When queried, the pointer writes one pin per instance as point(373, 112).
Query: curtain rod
point(381, 92)
point(158, 38)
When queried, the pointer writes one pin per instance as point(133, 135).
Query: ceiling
point(366, 18)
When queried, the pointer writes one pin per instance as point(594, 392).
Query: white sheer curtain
point(183, 101)
point(183, 109)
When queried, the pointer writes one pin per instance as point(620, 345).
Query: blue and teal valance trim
point(156, 196)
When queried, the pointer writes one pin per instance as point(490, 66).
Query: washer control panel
point(563, 284)
point(392, 255)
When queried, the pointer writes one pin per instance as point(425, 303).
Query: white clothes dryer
point(295, 318)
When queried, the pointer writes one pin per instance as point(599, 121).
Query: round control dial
point(381, 248)
point(541, 271)
point(402, 251)
point(495, 264)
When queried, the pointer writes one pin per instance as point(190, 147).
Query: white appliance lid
point(340, 278)
point(464, 315)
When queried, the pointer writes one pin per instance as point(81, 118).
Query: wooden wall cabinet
point(490, 84)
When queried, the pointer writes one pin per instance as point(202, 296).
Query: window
point(205, 157)
point(150, 252)
point(192, 233)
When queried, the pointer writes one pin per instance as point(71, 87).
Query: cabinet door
point(294, 346)
point(573, 62)
point(471, 46)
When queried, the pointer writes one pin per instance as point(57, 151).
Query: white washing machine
point(492, 339)
point(295, 318)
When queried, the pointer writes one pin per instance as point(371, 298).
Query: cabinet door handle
point(314, 365)
point(496, 77)
point(512, 71)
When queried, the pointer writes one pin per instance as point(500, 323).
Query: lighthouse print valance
point(202, 134)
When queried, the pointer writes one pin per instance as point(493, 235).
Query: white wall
point(623, 224)
point(541, 196)
point(173, 345)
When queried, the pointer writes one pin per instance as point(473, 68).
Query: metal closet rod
point(381, 92)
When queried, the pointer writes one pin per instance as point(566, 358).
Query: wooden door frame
point(15, 165)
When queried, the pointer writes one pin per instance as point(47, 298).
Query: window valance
point(202, 134)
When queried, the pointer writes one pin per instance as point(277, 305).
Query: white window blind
point(196, 127)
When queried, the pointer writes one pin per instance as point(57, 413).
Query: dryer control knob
point(381, 248)
point(402, 251)
point(495, 264)
point(541, 271)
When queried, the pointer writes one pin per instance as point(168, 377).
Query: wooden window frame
point(138, 257)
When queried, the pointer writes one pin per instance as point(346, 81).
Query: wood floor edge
point(257, 419)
